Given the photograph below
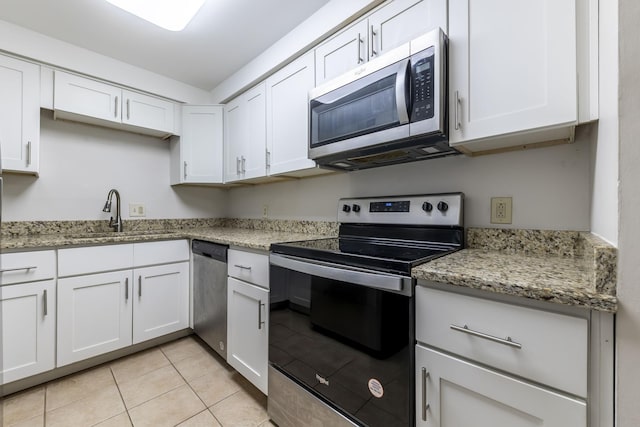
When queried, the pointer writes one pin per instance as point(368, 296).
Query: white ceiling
point(224, 36)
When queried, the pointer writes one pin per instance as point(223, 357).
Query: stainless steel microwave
point(392, 109)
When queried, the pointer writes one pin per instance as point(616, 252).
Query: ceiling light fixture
point(173, 15)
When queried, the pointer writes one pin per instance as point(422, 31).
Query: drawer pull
point(260, 321)
point(7, 270)
point(506, 341)
point(242, 267)
point(425, 405)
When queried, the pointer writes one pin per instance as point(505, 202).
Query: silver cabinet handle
point(115, 110)
point(128, 109)
point(457, 124)
point(244, 161)
point(139, 286)
point(260, 321)
point(358, 43)
point(185, 170)
point(373, 42)
point(242, 267)
point(237, 165)
point(126, 288)
point(7, 270)
point(425, 405)
point(268, 158)
point(45, 303)
point(29, 153)
point(506, 341)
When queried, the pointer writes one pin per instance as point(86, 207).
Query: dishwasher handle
point(210, 250)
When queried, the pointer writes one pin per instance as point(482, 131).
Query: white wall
point(604, 202)
point(21, 41)
point(628, 316)
point(549, 186)
point(311, 31)
point(80, 163)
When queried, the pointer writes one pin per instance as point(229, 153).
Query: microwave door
point(374, 106)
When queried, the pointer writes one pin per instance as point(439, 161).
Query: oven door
point(348, 344)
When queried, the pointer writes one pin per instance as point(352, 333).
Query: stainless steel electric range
point(341, 320)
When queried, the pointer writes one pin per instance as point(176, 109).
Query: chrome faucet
point(117, 224)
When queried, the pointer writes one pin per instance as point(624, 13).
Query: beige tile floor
point(176, 384)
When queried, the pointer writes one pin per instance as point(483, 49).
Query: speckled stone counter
point(565, 267)
point(254, 234)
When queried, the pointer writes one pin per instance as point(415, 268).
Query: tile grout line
point(206, 408)
point(126, 410)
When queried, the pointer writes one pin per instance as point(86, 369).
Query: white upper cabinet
point(196, 157)
point(513, 70)
point(19, 115)
point(245, 135)
point(390, 26)
point(288, 117)
point(82, 99)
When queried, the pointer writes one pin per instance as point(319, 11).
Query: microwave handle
point(401, 92)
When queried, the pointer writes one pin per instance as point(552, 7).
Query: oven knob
point(443, 206)
point(346, 208)
point(356, 208)
point(427, 207)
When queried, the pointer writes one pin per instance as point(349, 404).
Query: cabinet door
point(451, 392)
point(86, 97)
point(512, 66)
point(161, 300)
point(94, 315)
point(288, 116)
point(254, 144)
point(247, 331)
point(147, 112)
point(342, 52)
point(19, 114)
point(403, 20)
point(28, 329)
point(233, 130)
point(201, 144)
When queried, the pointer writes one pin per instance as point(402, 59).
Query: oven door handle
point(353, 275)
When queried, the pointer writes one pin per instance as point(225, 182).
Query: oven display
point(401, 206)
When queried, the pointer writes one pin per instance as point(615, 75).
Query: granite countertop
point(252, 234)
point(569, 268)
point(564, 267)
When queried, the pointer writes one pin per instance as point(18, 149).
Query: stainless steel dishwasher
point(210, 294)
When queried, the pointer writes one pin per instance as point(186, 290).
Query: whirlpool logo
point(322, 380)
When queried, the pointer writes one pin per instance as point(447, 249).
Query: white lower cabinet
point(161, 300)
point(248, 331)
point(28, 329)
point(451, 392)
point(94, 315)
point(106, 311)
point(482, 363)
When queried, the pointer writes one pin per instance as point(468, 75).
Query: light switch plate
point(137, 209)
point(501, 210)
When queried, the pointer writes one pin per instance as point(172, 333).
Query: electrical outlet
point(501, 209)
point(137, 209)
point(265, 211)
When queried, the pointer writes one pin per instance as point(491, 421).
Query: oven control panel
point(444, 209)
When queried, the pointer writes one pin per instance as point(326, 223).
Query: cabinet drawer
point(150, 253)
point(553, 347)
point(22, 267)
point(94, 259)
point(249, 266)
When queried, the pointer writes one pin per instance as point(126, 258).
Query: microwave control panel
point(422, 85)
